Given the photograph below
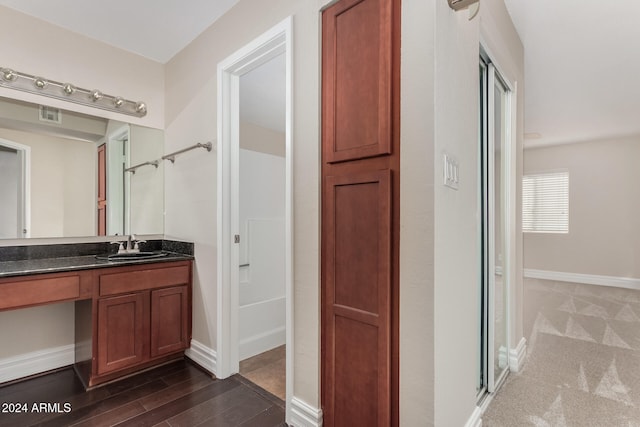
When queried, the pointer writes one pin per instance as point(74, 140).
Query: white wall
point(604, 230)
point(262, 291)
point(261, 221)
point(9, 168)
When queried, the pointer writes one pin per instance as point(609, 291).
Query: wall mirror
point(67, 174)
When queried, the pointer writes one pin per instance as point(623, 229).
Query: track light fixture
point(68, 92)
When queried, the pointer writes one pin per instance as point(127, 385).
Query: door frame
point(509, 162)
point(273, 42)
point(24, 157)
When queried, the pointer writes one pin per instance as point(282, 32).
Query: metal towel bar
point(132, 169)
point(172, 157)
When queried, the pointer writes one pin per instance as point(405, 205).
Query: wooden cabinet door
point(169, 320)
point(356, 82)
point(123, 331)
point(357, 298)
point(360, 212)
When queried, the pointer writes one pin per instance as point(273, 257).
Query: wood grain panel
point(24, 293)
point(357, 375)
point(357, 68)
point(169, 325)
point(122, 331)
point(135, 280)
point(357, 303)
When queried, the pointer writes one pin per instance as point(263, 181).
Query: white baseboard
point(475, 420)
point(262, 342)
point(203, 356)
point(589, 279)
point(517, 356)
point(13, 368)
point(304, 415)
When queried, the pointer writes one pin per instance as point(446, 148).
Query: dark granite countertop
point(63, 264)
point(57, 258)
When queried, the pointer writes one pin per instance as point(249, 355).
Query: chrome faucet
point(131, 245)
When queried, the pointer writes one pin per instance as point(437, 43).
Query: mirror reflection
point(64, 174)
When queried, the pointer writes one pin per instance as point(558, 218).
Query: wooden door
point(169, 320)
point(360, 212)
point(123, 331)
point(102, 190)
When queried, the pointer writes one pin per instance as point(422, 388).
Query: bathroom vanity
point(129, 315)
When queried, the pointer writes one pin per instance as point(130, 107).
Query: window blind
point(545, 202)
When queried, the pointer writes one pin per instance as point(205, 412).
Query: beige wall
point(63, 184)
point(604, 231)
point(147, 184)
point(85, 63)
point(43, 49)
point(439, 301)
point(191, 91)
point(261, 139)
point(36, 329)
point(438, 306)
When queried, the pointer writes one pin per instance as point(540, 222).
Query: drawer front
point(132, 281)
point(39, 291)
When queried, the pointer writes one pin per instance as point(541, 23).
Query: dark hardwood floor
point(177, 394)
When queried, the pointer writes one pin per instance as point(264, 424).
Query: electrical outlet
point(451, 172)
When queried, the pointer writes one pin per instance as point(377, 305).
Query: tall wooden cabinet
point(360, 212)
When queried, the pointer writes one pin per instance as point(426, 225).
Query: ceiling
point(158, 30)
point(582, 58)
point(263, 94)
point(155, 29)
point(582, 68)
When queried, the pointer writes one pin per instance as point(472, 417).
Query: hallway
point(583, 363)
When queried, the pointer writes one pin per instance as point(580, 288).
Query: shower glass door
point(497, 270)
point(494, 128)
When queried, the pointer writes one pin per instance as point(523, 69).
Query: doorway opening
point(15, 211)
point(255, 334)
point(261, 316)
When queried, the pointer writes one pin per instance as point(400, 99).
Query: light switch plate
point(451, 172)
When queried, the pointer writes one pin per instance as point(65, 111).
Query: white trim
point(484, 404)
point(475, 420)
point(589, 279)
point(517, 355)
point(275, 41)
point(203, 356)
point(23, 365)
point(260, 343)
point(304, 415)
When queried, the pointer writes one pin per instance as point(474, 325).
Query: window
point(545, 203)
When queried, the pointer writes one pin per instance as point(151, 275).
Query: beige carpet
point(583, 363)
point(267, 370)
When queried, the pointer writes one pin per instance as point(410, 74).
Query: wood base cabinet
point(141, 317)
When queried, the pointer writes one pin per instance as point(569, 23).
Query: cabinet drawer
point(132, 281)
point(39, 291)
